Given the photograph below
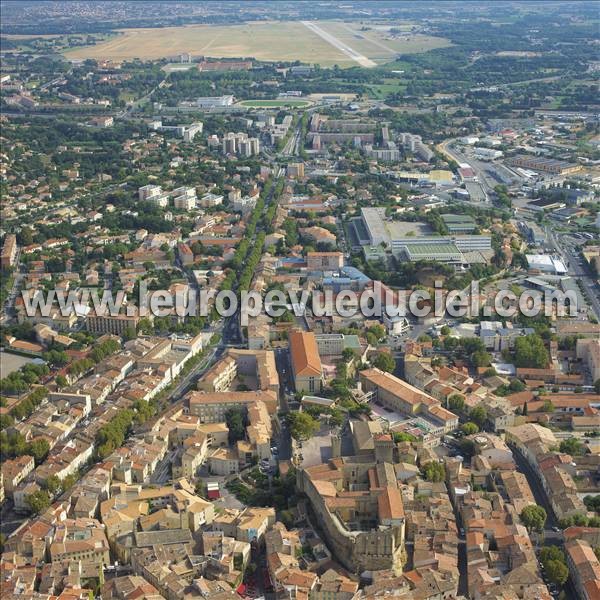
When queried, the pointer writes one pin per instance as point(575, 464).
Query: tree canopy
point(530, 352)
point(534, 517)
point(302, 425)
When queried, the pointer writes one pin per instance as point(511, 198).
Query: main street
point(550, 533)
point(566, 246)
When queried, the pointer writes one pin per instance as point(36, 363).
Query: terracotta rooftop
point(304, 353)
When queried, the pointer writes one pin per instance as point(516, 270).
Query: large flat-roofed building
point(306, 362)
point(545, 165)
point(446, 253)
point(412, 240)
point(546, 264)
point(333, 344)
point(459, 223)
point(214, 101)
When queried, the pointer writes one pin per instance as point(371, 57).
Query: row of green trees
point(20, 381)
point(24, 408)
point(99, 353)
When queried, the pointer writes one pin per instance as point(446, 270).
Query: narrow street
point(463, 585)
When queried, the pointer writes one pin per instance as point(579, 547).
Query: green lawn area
point(390, 86)
point(283, 103)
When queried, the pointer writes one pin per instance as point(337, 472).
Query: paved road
point(536, 487)
point(186, 383)
point(447, 148)
point(7, 311)
point(463, 586)
point(163, 472)
point(135, 104)
point(564, 245)
point(282, 360)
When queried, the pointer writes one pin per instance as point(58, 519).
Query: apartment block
point(153, 194)
point(324, 261)
point(84, 540)
point(588, 350)
point(9, 251)
point(15, 470)
point(584, 568)
point(212, 407)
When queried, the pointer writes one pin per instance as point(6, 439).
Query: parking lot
point(317, 450)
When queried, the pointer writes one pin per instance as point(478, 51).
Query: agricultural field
point(283, 103)
point(292, 40)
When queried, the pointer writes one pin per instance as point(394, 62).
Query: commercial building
point(534, 232)
point(439, 252)
point(225, 65)
point(487, 154)
point(546, 264)
point(307, 370)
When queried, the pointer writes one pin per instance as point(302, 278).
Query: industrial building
point(546, 264)
point(545, 165)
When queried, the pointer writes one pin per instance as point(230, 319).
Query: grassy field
point(379, 43)
point(275, 103)
point(289, 41)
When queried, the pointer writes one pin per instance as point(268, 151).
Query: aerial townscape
point(299, 300)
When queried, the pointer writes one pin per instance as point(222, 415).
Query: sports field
point(283, 103)
point(291, 40)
